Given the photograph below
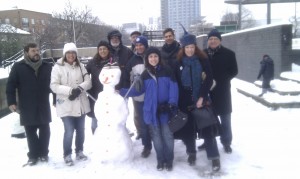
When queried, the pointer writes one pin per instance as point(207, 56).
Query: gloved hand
point(94, 125)
point(173, 109)
point(75, 93)
point(162, 108)
point(138, 82)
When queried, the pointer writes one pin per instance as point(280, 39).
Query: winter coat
point(266, 69)
point(160, 89)
point(64, 78)
point(33, 92)
point(224, 67)
point(134, 68)
point(185, 99)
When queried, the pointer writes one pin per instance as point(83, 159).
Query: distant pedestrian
point(267, 72)
point(30, 78)
point(69, 80)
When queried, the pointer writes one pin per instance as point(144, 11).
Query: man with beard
point(30, 78)
point(169, 52)
point(120, 53)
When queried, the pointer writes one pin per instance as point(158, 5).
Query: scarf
point(211, 51)
point(35, 65)
point(191, 75)
point(170, 48)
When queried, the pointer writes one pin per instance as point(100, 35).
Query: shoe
point(44, 158)
point(169, 166)
point(68, 160)
point(216, 165)
point(81, 156)
point(201, 147)
point(146, 152)
point(227, 149)
point(192, 159)
point(32, 161)
point(160, 166)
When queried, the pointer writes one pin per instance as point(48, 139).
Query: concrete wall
point(251, 44)
point(3, 102)
point(82, 52)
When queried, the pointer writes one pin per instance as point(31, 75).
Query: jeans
point(163, 142)
point(145, 131)
point(70, 124)
point(38, 144)
point(136, 118)
point(226, 133)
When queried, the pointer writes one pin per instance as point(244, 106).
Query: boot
point(216, 165)
point(192, 159)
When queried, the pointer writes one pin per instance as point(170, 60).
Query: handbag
point(204, 116)
point(177, 121)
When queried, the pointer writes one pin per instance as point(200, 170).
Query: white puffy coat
point(64, 78)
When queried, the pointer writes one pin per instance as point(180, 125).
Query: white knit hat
point(69, 47)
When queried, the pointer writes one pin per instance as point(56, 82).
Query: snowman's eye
point(112, 76)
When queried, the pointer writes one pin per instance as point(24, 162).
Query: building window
point(32, 21)
point(25, 22)
point(43, 22)
point(7, 21)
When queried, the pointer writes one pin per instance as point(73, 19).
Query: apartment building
point(30, 21)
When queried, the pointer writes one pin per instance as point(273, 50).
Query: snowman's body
point(112, 141)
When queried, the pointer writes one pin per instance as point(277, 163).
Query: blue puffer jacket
point(160, 88)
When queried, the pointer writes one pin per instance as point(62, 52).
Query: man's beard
point(115, 44)
point(35, 58)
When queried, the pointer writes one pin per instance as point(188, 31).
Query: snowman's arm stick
point(89, 95)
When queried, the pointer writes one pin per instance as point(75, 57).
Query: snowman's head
point(110, 75)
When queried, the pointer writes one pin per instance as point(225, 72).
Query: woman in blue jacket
point(161, 95)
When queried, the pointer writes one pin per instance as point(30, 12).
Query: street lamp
point(74, 31)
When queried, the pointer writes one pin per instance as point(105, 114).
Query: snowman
point(112, 142)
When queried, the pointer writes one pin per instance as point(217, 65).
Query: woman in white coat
point(69, 80)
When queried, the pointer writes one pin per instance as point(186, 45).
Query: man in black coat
point(30, 78)
point(267, 71)
point(224, 67)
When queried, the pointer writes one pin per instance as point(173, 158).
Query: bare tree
point(246, 18)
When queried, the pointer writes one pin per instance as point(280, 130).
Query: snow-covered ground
point(264, 146)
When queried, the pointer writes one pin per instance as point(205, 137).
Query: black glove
point(138, 82)
point(162, 108)
point(75, 93)
point(173, 109)
point(94, 125)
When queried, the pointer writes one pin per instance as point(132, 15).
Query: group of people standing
point(177, 76)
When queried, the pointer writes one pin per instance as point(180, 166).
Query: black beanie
point(103, 43)
point(214, 33)
point(114, 33)
point(152, 50)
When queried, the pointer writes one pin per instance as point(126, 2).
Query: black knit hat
point(152, 50)
point(187, 38)
point(114, 33)
point(215, 33)
point(103, 43)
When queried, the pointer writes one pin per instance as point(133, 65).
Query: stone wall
point(3, 102)
point(251, 44)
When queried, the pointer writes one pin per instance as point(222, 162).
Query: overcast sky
point(116, 12)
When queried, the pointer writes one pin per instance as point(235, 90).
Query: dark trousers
point(38, 138)
point(145, 130)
